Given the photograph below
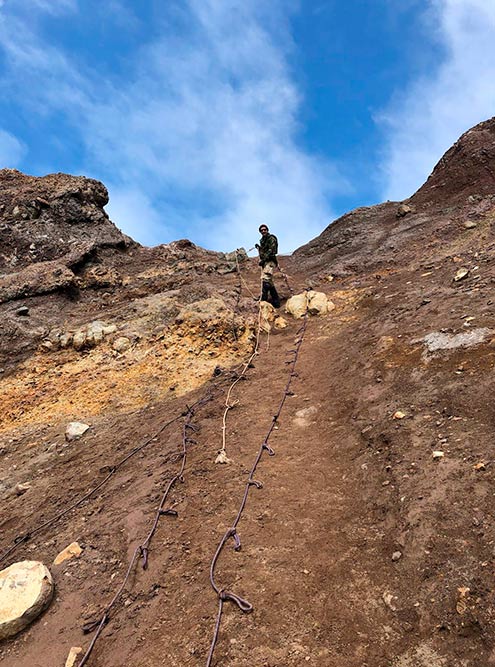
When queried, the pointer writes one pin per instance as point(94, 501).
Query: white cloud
point(134, 213)
point(12, 150)
point(423, 121)
point(202, 130)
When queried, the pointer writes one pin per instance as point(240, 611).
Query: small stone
point(438, 455)
point(280, 323)
point(73, 550)
point(222, 457)
point(121, 344)
point(480, 466)
point(20, 489)
point(397, 555)
point(23, 311)
point(26, 590)
point(461, 274)
point(75, 430)
point(398, 415)
point(470, 224)
point(403, 210)
point(72, 657)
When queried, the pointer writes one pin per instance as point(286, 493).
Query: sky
point(206, 118)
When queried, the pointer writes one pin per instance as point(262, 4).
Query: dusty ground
point(362, 549)
point(349, 486)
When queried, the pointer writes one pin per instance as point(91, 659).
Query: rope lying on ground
point(22, 539)
point(286, 279)
point(222, 454)
point(223, 594)
point(142, 550)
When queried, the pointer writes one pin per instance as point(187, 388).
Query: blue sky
point(205, 118)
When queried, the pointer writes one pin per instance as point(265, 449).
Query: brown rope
point(223, 594)
point(22, 539)
point(142, 550)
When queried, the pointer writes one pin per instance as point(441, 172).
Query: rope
point(242, 279)
point(286, 279)
point(222, 454)
point(142, 550)
point(231, 533)
point(22, 539)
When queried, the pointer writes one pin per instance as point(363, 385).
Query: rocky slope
point(371, 542)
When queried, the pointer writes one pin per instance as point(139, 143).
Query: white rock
point(121, 344)
point(461, 274)
point(26, 589)
point(317, 304)
point(65, 340)
point(75, 430)
point(296, 305)
point(79, 339)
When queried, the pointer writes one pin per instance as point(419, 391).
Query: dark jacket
point(268, 249)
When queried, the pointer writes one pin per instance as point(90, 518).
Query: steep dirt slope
point(363, 547)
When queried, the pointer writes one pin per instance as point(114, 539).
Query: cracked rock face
point(26, 590)
point(44, 218)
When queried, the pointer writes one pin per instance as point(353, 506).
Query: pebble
point(397, 555)
point(69, 552)
point(75, 430)
point(22, 311)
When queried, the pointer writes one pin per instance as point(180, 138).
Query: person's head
point(263, 230)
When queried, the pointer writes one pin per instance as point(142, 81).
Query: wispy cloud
point(12, 150)
point(202, 129)
point(424, 120)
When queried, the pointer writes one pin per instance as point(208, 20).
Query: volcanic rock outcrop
point(366, 540)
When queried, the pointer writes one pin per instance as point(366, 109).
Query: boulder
point(267, 316)
point(240, 253)
point(317, 303)
point(26, 590)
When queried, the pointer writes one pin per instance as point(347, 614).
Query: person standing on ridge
point(267, 250)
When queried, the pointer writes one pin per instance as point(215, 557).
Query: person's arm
point(272, 249)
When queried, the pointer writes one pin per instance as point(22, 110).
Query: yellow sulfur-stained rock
point(69, 552)
point(280, 323)
point(73, 655)
point(267, 316)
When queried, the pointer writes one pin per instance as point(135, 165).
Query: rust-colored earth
point(362, 549)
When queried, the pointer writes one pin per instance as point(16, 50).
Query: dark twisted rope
point(225, 595)
point(22, 539)
point(142, 550)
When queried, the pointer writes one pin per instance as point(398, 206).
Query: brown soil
point(349, 487)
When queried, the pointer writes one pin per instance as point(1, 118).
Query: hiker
point(267, 250)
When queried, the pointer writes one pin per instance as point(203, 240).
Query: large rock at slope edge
point(26, 590)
